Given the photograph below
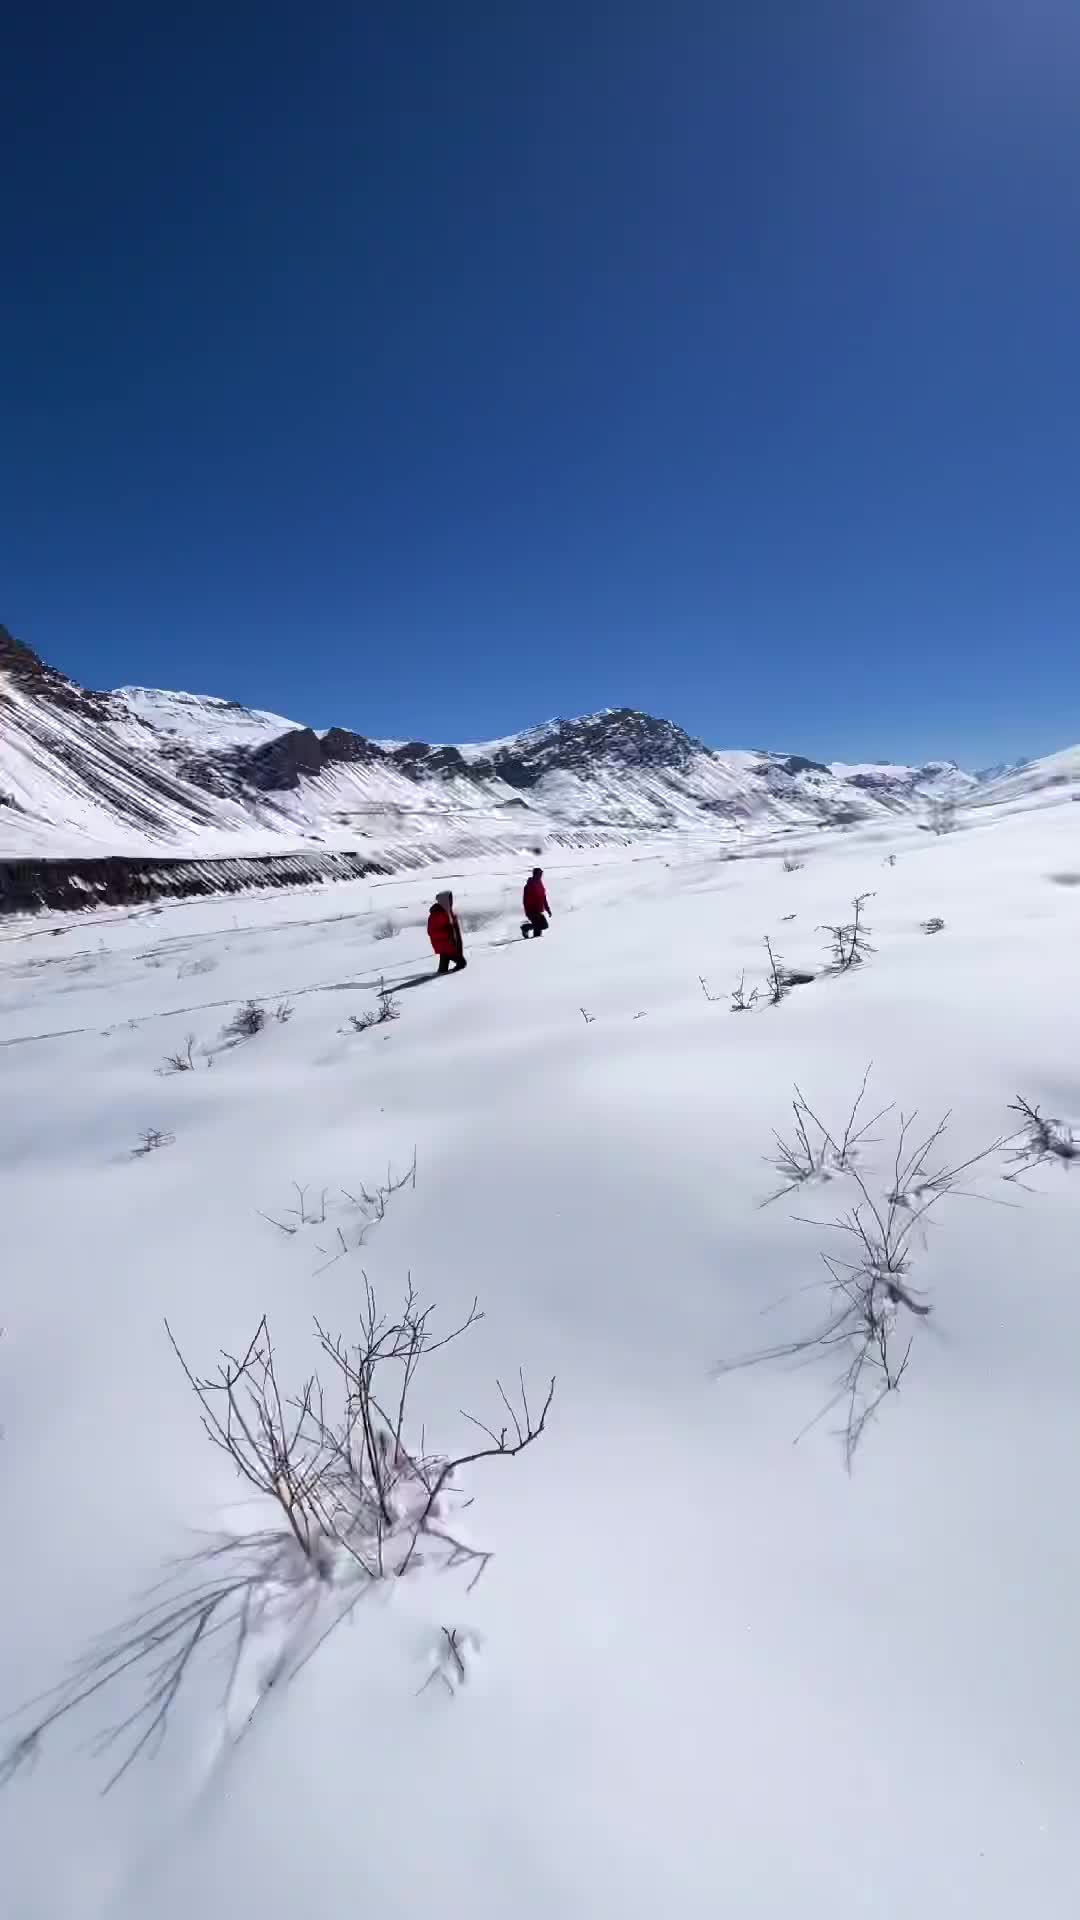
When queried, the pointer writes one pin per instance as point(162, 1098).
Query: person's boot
point(526, 930)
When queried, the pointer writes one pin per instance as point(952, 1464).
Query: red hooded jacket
point(534, 898)
point(444, 933)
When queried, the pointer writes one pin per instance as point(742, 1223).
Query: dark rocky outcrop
point(28, 886)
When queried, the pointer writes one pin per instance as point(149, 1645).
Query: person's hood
point(444, 901)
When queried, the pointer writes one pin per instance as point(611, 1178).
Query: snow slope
point(203, 721)
point(138, 771)
point(716, 1674)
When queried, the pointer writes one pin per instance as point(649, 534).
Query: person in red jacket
point(535, 902)
point(444, 932)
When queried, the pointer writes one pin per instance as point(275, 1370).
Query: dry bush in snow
point(304, 1214)
point(849, 944)
point(344, 1492)
point(181, 1062)
point(741, 1001)
point(385, 929)
point(371, 1207)
point(1041, 1140)
point(776, 979)
point(386, 1010)
point(791, 864)
point(150, 1140)
point(246, 1022)
point(871, 1304)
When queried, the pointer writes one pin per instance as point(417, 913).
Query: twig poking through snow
point(871, 1300)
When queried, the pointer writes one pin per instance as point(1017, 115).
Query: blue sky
point(432, 369)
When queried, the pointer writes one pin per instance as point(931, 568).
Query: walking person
point(535, 902)
point(444, 932)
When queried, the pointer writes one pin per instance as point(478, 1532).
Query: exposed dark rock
point(279, 764)
point(797, 763)
point(417, 759)
point(27, 886)
point(27, 671)
point(341, 745)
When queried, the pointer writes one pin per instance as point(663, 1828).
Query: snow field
point(715, 1673)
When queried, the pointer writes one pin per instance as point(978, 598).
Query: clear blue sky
point(433, 368)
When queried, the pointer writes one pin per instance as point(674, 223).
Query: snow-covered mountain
point(140, 770)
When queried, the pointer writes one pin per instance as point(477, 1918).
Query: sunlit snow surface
point(709, 1673)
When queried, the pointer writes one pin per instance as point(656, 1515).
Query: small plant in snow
point(704, 985)
point(741, 1001)
point(792, 865)
point(872, 1307)
point(182, 1062)
point(386, 1010)
point(776, 978)
point(246, 1022)
point(385, 929)
point(388, 1007)
point(889, 860)
point(589, 1018)
point(450, 1659)
point(932, 926)
point(345, 1493)
point(814, 1154)
point(371, 1208)
point(302, 1215)
point(283, 1012)
point(850, 944)
point(150, 1140)
point(1042, 1139)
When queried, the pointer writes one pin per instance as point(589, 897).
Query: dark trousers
point(536, 923)
point(446, 961)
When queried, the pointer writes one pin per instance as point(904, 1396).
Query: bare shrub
point(371, 1207)
point(776, 978)
point(741, 1001)
point(450, 1658)
point(814, 1153)
point(283, 1012)
point(346, 1493)
point(1042, 1139)
point(246, 1022)
point(932, 926)
point(589, 1018)
point(704, 985)
point(791, 864)
point(889, 860)
point(849, 944)
point(872, 1306)
point(302, 1215)
point(385, 929)
point(386, 1010)
point(150, 1140)
point(182, 1062)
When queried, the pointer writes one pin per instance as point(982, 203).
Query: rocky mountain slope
point(140, 770)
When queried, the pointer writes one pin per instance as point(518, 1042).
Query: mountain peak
point(144, 769)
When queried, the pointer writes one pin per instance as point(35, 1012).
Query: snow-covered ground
point(716, 1674)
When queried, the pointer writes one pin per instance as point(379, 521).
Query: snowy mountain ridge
point(137, 769)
